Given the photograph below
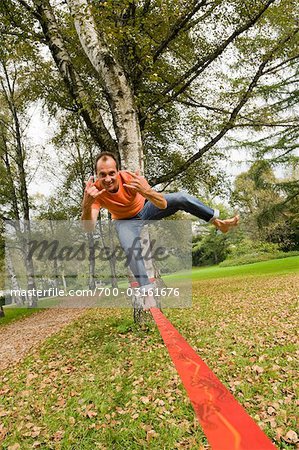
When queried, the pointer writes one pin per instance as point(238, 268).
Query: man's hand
point(138, 183)
point(89, 215)
point(91, 192)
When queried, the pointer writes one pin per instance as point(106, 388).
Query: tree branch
point(289, 150)
point(208, 12)
point(288, 199)
point(177, 27)
point(31, 10)
point(188, 77)
point(280, 65)
point(228, 126)
point(262, 124)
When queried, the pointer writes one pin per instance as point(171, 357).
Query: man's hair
point(105, 156)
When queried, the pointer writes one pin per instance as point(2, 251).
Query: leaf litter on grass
point(247, 334)
point(105, 383)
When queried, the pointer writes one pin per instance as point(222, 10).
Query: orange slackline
point(224, 421)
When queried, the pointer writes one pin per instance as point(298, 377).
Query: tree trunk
point(89, 112)
point(91, 258)
point(63, 280)
point(20, 158)
point(16, 298)
point(115, 83)
point(112, 260)
point(31, 286)
point(119, 93)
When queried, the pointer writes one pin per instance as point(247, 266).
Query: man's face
point(108, 175)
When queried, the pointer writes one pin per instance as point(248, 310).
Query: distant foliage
point(249, 246)
point(253, 258)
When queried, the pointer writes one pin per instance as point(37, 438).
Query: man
point(128, 196)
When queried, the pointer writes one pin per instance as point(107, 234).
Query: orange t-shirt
point(123, 204)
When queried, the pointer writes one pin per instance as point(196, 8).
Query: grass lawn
point(103, 383)
point(12, 314)
point(272, 267)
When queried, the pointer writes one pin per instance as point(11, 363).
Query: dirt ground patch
point(21, 336)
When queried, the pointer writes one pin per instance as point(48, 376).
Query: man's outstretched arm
point(139, 184)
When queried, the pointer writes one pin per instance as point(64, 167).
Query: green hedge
point(255, 257)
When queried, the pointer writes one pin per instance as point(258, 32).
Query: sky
point(40, 133)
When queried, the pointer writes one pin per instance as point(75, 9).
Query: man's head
point(106, 169)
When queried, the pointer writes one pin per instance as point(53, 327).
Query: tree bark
point(91, 259)
point(115, 84)
point(89, 112)
point(111, 259)
point(16, 299)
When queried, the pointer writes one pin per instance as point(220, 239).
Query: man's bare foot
point(225, 225)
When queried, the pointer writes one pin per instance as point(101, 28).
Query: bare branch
point(289, 150)
point(263, 124)
point(193, 103)
point(208, 12)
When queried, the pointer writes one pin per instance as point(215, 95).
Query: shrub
point(256, 257)
point(248, 247)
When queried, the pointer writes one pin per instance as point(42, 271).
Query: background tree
point(141, 74)
point(13, 152)
point(164, 85)
point(269, 211)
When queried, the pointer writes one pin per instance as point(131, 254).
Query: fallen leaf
point(90, 414)
point(150, 434)
point(58, 435)
point(72, 420)
point(3, 432)
point(291, 437)
point(257, 369)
